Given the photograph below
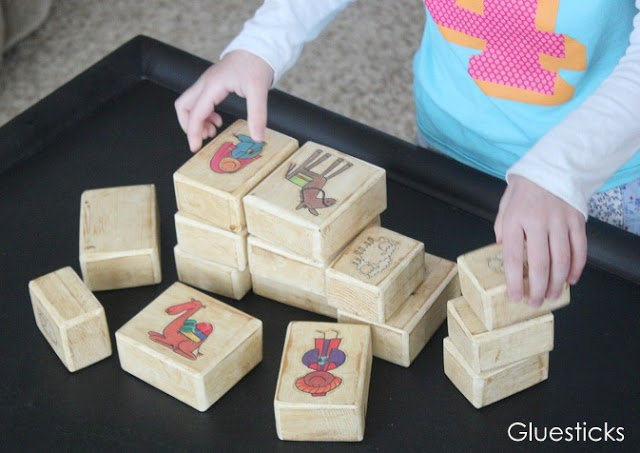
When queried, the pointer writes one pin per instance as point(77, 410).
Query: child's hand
point(240, 72)
point(555, 235)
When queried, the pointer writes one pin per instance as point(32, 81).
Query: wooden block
point(280, 265)
point(486, 349)
point(323, 383)
point(210, 242)
point(375, 274)
point(70, 318)
point(482, 389)
point(120, 237)
point(316, 201)
point(211, 276)
point(407, 332)
point(213, 182)
point(483, 284)
point(190, 345)
point(294, 296)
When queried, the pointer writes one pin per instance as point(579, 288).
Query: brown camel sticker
point(312, 194)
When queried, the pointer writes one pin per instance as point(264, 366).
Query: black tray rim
point(144, 58)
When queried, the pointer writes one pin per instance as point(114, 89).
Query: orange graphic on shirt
point(521, 53)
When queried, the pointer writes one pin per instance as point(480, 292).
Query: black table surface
point(115, 125)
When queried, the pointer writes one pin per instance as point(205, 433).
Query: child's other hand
point(555, 235)
point(240, 72)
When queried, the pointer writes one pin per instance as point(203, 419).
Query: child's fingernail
point(515, 295)
point(535, 302)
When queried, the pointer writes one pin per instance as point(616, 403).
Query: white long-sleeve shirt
point(571, 131)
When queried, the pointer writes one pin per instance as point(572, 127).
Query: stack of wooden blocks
point(211, 227)
point(496, 347)
point(302, 215)
point(315, 242)
point(387, 281)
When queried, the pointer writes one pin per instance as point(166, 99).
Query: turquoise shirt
point(493, 76)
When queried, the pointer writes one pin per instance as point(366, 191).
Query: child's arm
point(268, 45)
point(549, 188)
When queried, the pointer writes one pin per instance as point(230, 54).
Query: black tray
point(115, 125)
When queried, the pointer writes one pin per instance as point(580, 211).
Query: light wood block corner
point(486, 349)
point(190, 345)
point(211, 276)
point(120, 237)
point(212, 183)
point(323, 382)
point(375, 274)
point(316, 201)
point(482, 389)
point(71, 319)
point(210, 242)
point(483, 284)
point(408, 331)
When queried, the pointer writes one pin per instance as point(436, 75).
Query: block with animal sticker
point(316, 201)
point(212, 183)
point(120, 237)
point(190, 345)
point(71, 319)
point(375, 274)
point(288, 278)
point(211, 276)
point(408, 331)
point(323, 382)
point(483, 284)
point(484, 349)
point(210, 242)
point(482, 389)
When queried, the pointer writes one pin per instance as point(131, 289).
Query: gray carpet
point(359, 67)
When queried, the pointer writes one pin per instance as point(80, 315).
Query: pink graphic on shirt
point(513, 44)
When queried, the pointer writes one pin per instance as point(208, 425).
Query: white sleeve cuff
point(554, 180)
